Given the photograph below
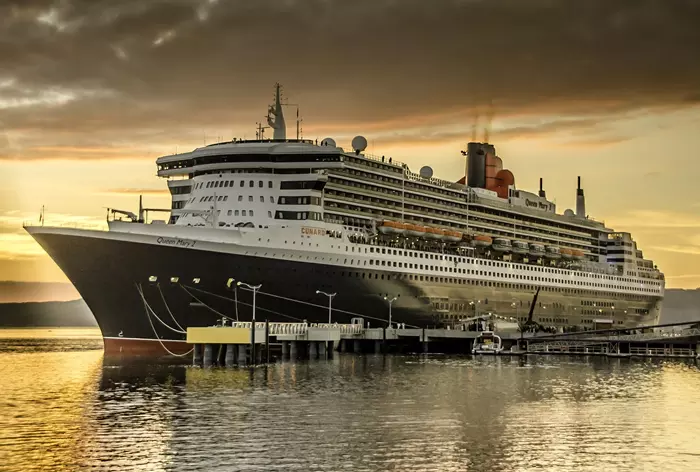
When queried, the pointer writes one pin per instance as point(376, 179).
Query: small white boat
point(487, 343)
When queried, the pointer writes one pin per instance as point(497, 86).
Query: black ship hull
point(111, 274)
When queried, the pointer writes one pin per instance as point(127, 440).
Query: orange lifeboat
point(414, 230)
point(482, 240)
point(577, 254)
point(454, 236)
point(434, 233)
point(566, 253)
point(391, 227)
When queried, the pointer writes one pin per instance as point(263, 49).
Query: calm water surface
point(64, 407)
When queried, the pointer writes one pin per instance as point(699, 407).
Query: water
point(64, 407)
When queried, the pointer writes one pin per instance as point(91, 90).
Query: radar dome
point(359, 143)
point(426, 172)
point(568, 212)
point(328, 142)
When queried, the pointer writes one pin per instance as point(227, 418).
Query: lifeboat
point(482, 240)
point(536, 249)
point(502, 244)
point(577, 254)
point(391, 227)
point(552, 252)
point(434, 233)
point(566, 253)
point(454, 236)
point(415, 230)
point(520, 247)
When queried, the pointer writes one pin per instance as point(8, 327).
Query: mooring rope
point(168, 308)
point(148, 307)
point(207, 306)
point(291, 300)
point(231, 300)
point(165, 348)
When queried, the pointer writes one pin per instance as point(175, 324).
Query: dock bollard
point(208, 354)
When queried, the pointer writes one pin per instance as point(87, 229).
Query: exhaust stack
point(580, 201)
point(542, 193)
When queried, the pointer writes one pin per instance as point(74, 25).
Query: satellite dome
point(328, 142)
point(359, 143)
point(426, 172)
point(568, 212)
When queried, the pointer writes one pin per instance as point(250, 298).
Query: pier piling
point(208, 354)
point(230, 355)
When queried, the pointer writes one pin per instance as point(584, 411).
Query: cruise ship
point(300, 220)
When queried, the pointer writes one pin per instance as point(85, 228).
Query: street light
point(390, 300)
point(254, 288)
point(330, 300)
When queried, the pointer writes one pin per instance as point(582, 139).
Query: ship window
point(262, 199)
point(243, 212)
point(250, 198)
point(225, 183)
point(269, 214)
point(229, 212)
point(240, 198)
point(242, 183)
point(272, 199)
point(251, 213)
point(251, 183)
point(269, 184)
point(225, 197)
point(236, 213)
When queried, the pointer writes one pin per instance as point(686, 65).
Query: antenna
point(299, 120)
point(260, 131)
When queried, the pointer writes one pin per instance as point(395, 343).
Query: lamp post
point(391, 301)
point(255, 289)
point(330, 301)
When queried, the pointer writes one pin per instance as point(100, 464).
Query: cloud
point(167, 70)
point(688, 250)
point(652, 219)
point(135, 191)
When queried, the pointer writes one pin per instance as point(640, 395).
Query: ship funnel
point(580, 201)
point(476, 165)
point(542, 193)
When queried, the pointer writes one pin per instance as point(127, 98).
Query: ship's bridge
point(278, 154)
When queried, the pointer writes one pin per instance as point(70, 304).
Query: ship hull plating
point(112, 276)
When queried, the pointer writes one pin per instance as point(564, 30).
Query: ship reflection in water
point(72, 410)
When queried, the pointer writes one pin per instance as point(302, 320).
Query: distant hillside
point(19, 292)
point(72, 313)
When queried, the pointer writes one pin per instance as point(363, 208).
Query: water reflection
point(74, 410)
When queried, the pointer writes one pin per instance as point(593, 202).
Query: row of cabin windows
point(299, 215)
point(230, 183)
point(211, 198)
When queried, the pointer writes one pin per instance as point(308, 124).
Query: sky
point(93, 91)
